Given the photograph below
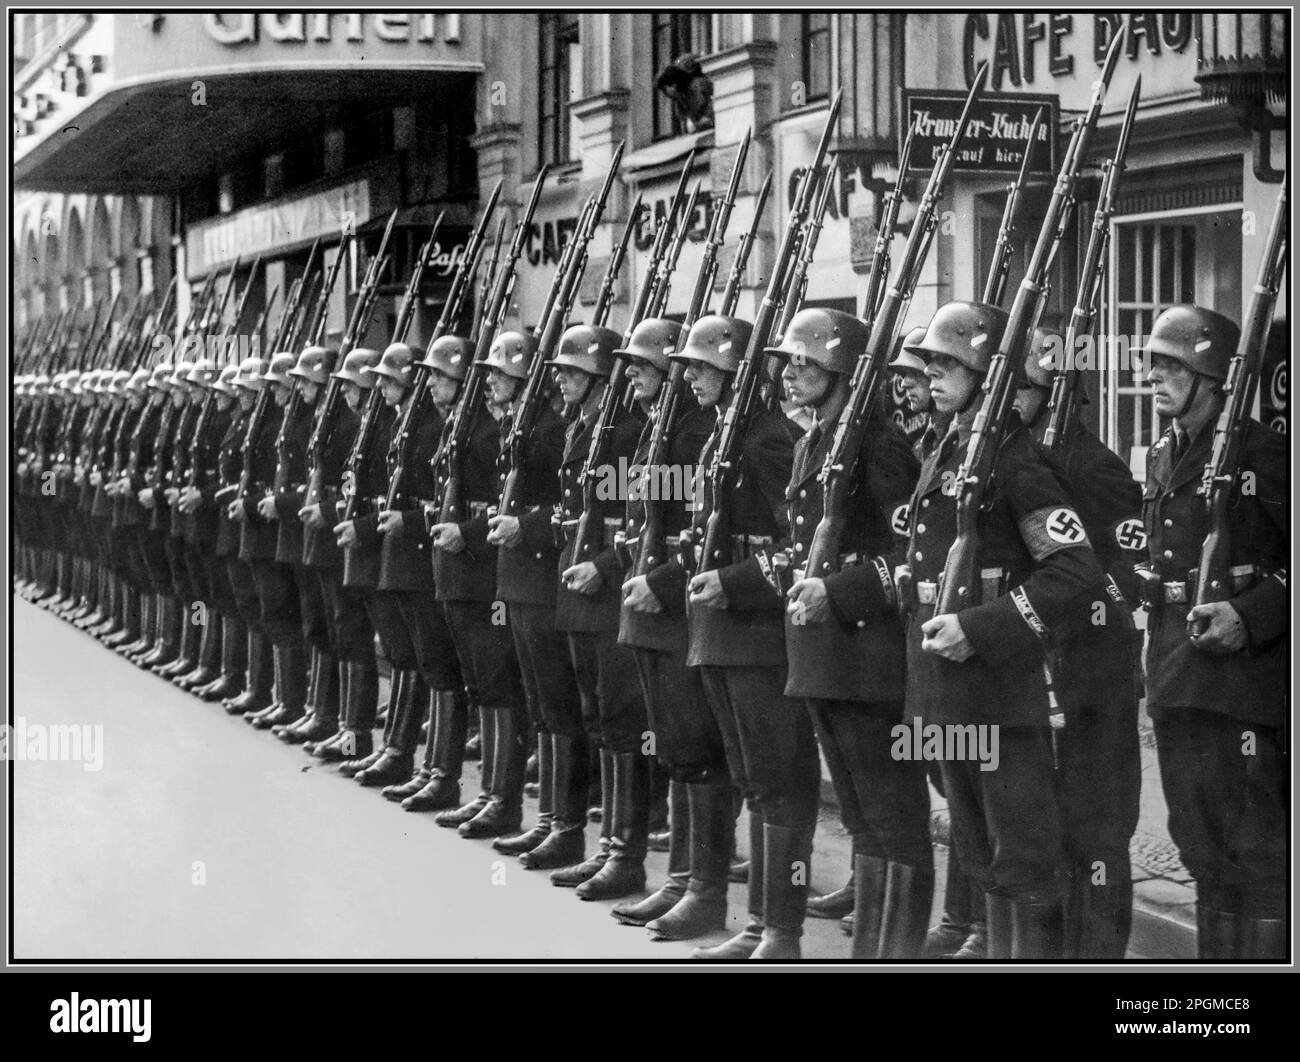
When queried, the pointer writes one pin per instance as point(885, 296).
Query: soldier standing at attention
point(844, 640)
point(1217, 696)
point(984, 666)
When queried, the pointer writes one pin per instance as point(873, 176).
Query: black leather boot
point(565, 845)
point(457, 817)
point(1098, 917)
point(147, 605)
point(833, 904)
point(359, 696)
point(624, 870)
point(1260, 940)
point(659, 837)
point(234, 648)
point(400, 791)
point(169, 635)
point(573, 876)
point(976, 946)
point(259, 681)
point(190, 635)
point(398, 757)
point(309, 701)
point(1216, 933)
point(530, 839)
point(323, 722)
point(503, 814)
point(1036, 930)
point(130, 631)
point(944, 940)
point(869, 877)
point(451, 717)
point(290, 687)
point(787, 855)
point(909, 894)
point(666, 897)
point(743, 944)
point(999, 931)
point(209, 656)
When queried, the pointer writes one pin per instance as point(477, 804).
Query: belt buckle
point(927, 592)
point(1175, 593)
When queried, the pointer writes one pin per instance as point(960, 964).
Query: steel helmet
point(512, 353)
point(1200, 339)
point(904, 360)
point(139, 379)
point(968, 332)
point(450, 355)
point(202, 373)
point(118, 382)
point(355, 365)
point(1046, 348)
point(278, 371)
point(654, 340)
point(315, 364)
point(225, 382)
point(589, 348)
point(161, 378)
point(832, 339)
point(396, 363)
point(251, 373)
point(718, 341)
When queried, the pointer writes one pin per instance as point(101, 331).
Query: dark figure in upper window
point(683, 81)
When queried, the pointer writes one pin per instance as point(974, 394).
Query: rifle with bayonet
point(315, 330)
point(996, 281)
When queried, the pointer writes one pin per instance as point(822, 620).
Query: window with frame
point(817, 55)
point(559, 62)
point(672, 36)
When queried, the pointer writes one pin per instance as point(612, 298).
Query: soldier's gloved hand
point(808, 601)
point(237, 513)
point(390, 522)
point(585, 578)
point(123, 485)
point(1223, 630)
point(171, 494)
point(191, 499)
point(96, 478)
point(706, 589)
point(146, 497)
point(639, 596)
point(944, 637)
point(347, 532)
point(504, 531)
point(310, 516)
point(266, 509)
point(448, 537)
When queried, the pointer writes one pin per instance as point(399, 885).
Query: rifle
point(653, 545)
point(885, 233)
point(658, 251)
point(659, 303)
point(960, 579)
point(1063, 404)
point(259, 326)
point(745, 395)
point(529, 407)
point(450, 458)
point(872, 368)
point(486, 280)
point(1001, 266)
point(315, 331)
point(605, 294)
point(1219, 480)
point(163, 324)
point(290, 312)
point(731, 289)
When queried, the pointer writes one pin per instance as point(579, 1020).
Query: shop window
point(560, 68)
point(368, 138)
point(817, 55)
point(674, 37)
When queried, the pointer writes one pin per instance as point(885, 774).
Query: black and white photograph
point(650, 489)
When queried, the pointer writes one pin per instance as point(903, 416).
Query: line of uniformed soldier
point(203, 557)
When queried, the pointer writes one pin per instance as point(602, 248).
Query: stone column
point(602, 124)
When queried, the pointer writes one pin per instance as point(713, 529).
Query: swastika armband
point(1131, 534)
point(1047, 531)
point(900, 520)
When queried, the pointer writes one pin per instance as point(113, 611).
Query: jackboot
point(400, 791)
point(456, 817)
point(659, 837)
point(209, 657)
point(833, 904)
point(359, 696)
point(787, 854)
point(1036, 930)
point(323, 721)
point(259, 682)
point(130, 631)
point(976, 945)
point(1260, 940)
point(712, 832)
point(1216, 933)
point(451, 717)
point(191, 633)
point(398, 757)
point(309, 700)
point(572, 877)
point(147, 605)
point(909, 894)
point(234, 659)
point(666, 897)
point(504, 812)
point(999, 931)
point(870, 874)
point(744, 943)
point(530, 839)
point(945, 940)
point(565, 845)
point(290, 690)
point(169, 635)
point(624, 870)
point(1098, 917)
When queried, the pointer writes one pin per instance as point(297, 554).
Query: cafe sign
point(995, 137)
